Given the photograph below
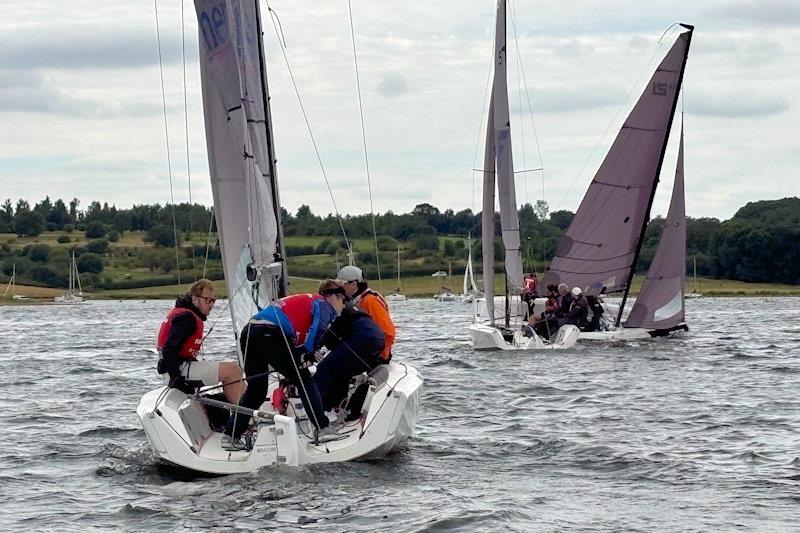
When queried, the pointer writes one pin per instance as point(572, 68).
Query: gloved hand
point(308, 358)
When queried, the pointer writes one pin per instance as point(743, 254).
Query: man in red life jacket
point(284, 335)
point(180, 340)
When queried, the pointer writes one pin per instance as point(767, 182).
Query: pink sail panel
point(598, 250)
point(660, 303)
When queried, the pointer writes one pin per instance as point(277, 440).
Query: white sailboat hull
point(486, 337)
point(178, 429)
point(69, 299)
point(630, 334)
point(395, 298)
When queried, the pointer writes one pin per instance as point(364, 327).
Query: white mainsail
point(240, 155)
point(499, 163)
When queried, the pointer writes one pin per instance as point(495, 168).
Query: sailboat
point(71, 296)
point(600, 249)
point(487, 331)
point(397, 294)
point(447, 294)
point(696, 289)
point(470, 290)
point(239, 139)
point(12, 285)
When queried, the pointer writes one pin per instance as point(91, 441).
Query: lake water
point(699, 433)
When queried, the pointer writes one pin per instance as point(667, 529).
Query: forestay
point(660, 303)
point(600, 248)
point(240, 153)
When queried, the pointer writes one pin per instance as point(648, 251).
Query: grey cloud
point(392, 84)
point(84, 47)
point(769, 13)
point(32, 92)
point(555, 99)
point(746, 50)
point(744, 104)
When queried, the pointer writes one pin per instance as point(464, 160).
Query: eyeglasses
point(209, 300)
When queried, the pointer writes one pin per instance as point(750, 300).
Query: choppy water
point(700, 433)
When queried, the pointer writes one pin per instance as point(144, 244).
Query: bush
point(90, 262)
point(95, 230)
point(63, 239)
point(386, 244)
point(322, 246)
point(68, 228)
point(48, 275)
point(162, 235)
point(113, 235)
point(39, 253)
point(97, 246)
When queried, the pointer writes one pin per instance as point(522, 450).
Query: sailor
point(356, 343)
point(180, 340)
point(285, 335)
point(578, 310)
point(371, 302)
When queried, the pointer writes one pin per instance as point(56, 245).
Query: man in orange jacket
point(371, 302)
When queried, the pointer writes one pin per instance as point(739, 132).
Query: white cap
point(350, 273)
point(576, 291)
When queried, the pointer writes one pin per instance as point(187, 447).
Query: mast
point(398, 267)
point(273, 177)
point(646, 218)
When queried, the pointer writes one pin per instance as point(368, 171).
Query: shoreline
point(414, 288)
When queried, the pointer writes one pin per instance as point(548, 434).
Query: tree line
point(758, 244)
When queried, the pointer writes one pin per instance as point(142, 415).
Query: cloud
point(768, 13)
point(744, 103)
point(392, 84)
point(560, 98)
point(81, 46)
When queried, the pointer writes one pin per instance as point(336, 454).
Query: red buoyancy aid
point(192, 345)
point(297, 309)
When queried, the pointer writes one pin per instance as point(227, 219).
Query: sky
point(82, 115)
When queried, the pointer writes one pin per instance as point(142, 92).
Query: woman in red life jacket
point(283, 335)
point(180, 339)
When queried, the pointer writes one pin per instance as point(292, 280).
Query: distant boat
point(447, 294)
point(696, 289)
point(490, 331)
point(71, 296)
point(600, 249)
point(396, 295)
point(12, 286)
point(470, 290)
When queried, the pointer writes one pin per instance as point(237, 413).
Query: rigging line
point(166, 135)
point(186, 126)
point(530, 105)
point(364, 141)
point(481, 126)
point(519, 94)
point(646, 68)
point(208, 239)
point(282, 42)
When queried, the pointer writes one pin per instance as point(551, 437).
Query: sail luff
point(660, 303)
point(677, 92)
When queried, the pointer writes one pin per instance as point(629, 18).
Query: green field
point(124, 263)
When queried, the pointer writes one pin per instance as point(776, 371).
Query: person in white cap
point(578, 310)
point(371, 302)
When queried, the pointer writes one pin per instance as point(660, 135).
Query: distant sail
point(660, 303)
point(240, 157)
point(598, 251)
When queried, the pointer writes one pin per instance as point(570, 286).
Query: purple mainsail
point(660, 303)
point(601, 246)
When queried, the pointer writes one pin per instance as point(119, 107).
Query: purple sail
point(601, 246)
point(660, 303)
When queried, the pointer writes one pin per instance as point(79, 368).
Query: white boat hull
point(395, 298)
point(486, 337)
point(179, 432)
